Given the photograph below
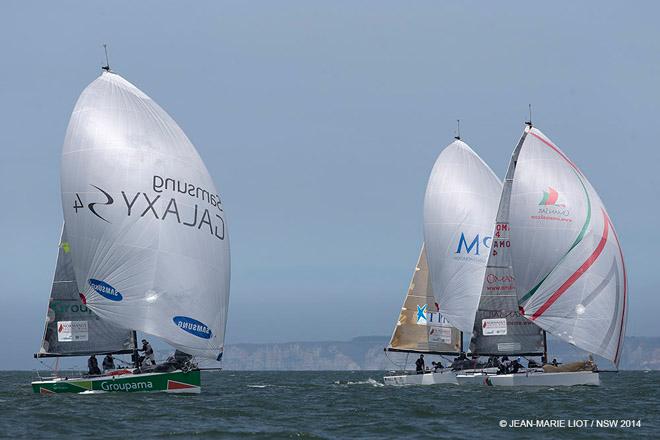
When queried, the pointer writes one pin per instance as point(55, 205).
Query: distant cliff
point(366, 353)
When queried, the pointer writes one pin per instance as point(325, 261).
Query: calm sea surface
point(332, 405)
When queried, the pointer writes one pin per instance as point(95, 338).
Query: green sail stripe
point(579, 238)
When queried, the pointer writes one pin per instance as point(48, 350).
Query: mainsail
point(147, 229)
point(499, 327)
point(567, 258)
point(459, 210)
point(72, 329)
point(420, 328)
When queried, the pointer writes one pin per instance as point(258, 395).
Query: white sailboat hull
point(441, 377)
point(531, 378)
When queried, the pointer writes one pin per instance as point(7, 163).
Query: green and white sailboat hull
point(168, 382)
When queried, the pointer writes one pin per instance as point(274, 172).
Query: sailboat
point(144, 246)
point(459, 207)
point(556, 266)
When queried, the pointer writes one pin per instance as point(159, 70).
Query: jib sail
point(72, 329)
point(499, 327)
point(420, 327)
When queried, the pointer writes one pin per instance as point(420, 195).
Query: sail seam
point(554, 147)
point(577, 274)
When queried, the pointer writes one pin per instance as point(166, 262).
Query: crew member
point(419, 364)
point(93, 365)
point(516, 365)
point(148, 353)
point(437, 366)
point(108, 362)
point(504, 365)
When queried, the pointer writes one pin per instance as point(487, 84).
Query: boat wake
point(370, 381)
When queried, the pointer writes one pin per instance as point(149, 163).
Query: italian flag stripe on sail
point(578, 273)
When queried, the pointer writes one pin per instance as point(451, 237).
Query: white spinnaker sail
point(146, 226)
point(460, 206)
point(567, 259)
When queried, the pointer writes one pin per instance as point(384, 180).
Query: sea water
point(339, 404)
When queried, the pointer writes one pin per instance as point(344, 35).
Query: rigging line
point(387, 355)
point(448, 360)
point(46, 365)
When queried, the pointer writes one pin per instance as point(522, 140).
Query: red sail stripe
point(625, 292)
point(553, 196)
point(551, 145)
point(577, 274)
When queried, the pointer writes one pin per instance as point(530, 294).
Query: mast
point(545, 346)
point(107, 62)
point(136, 364)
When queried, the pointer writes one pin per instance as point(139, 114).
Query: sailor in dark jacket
point(93, 365)
point(419, 364)
point(108, 362)
point(148, 353)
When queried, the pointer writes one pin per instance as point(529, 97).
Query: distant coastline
point(366, 353)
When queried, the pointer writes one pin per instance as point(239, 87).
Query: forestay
point(72, 329)
point(146, 225)
point(567, 260)
point(459, 210)
point(420, 328)
point(499, 327)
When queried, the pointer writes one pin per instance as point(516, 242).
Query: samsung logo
point(105, 290)
point(192, 326)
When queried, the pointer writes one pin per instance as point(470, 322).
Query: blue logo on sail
point(105, 290)
point(192, 326)
point(421, 314)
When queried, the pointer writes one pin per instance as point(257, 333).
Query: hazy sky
point(320, 122)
